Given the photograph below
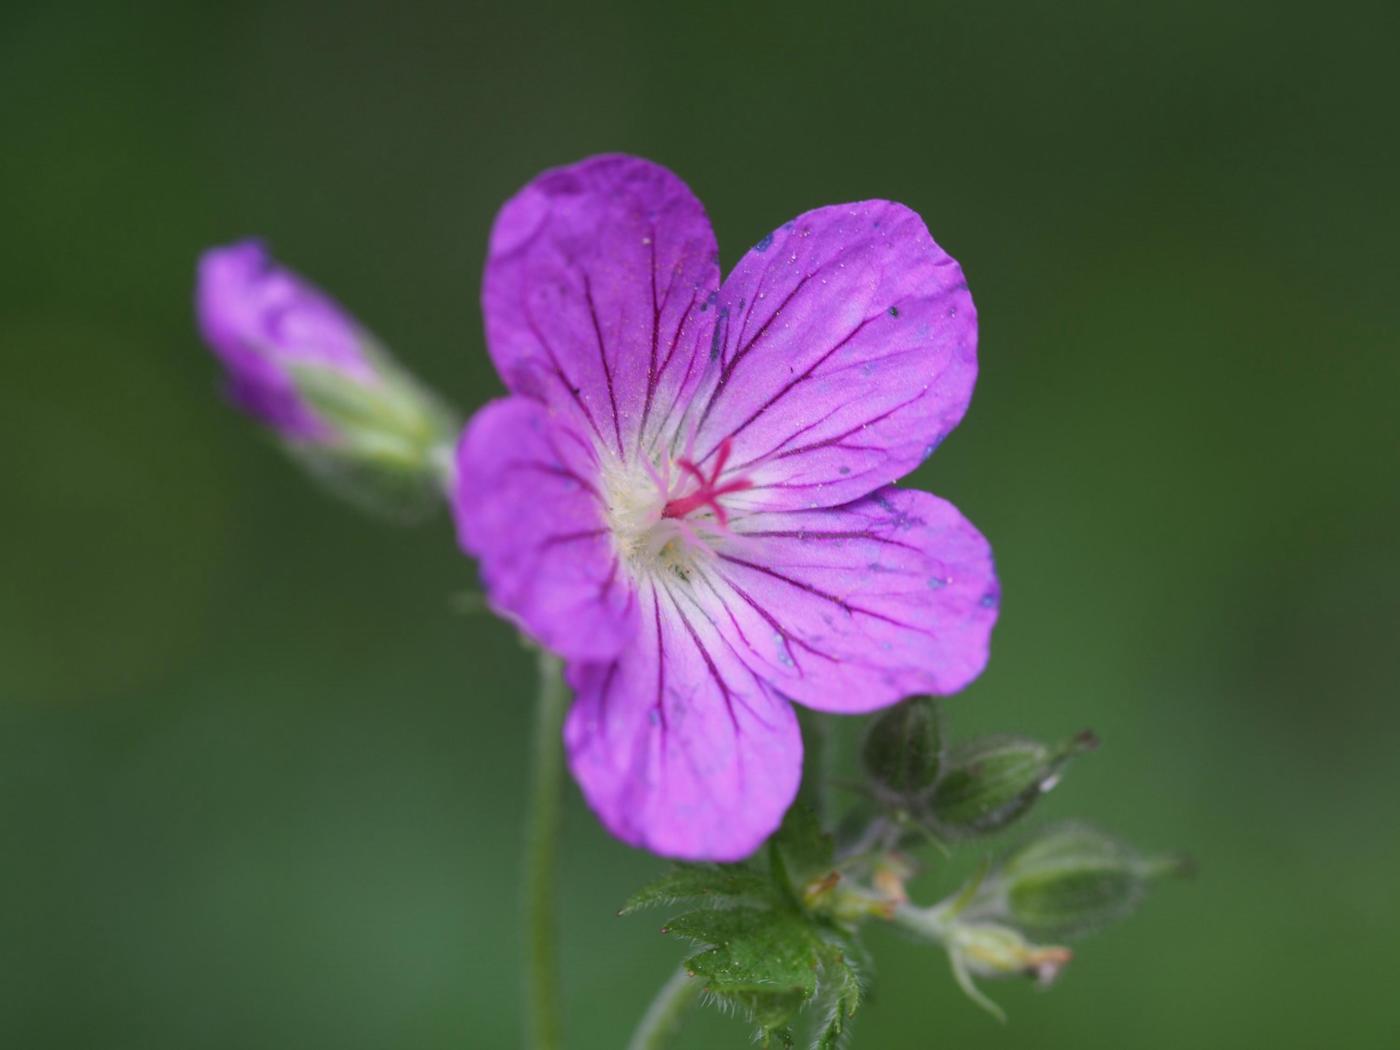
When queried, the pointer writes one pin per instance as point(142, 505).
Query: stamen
point(693, 537)
point(661, 482)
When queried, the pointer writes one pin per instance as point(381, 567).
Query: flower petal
point(853, 608)
point(260, 319)
point(527, 506)
point(598, 295)
point(678, 746)
point(847, 351)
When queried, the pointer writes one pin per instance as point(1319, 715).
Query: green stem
point(541, 859)
point(663, 1016)
point(818, 762)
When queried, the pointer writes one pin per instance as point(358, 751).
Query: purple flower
point(687, 494)
point(305, 367)
point(263, 321)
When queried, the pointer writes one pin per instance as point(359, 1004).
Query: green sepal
point(904, 748)
point(1073, 879)
point(388, 441)
point(392, 404)
point(386, 487)
point(992, 781)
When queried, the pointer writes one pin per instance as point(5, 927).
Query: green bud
point(992, 781)
point(904, 747)
point(1070, 880)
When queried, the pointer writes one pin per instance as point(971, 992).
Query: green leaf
point(751, 950)
point(806, 849)
point(779, 1038)
point(840, 993)
point(763, 954)
point(771, 963)
point(720, 885)
point(770, 1012)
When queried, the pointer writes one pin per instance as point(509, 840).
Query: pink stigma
point(710, 489)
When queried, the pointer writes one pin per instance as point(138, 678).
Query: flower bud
point(303, 366)
point(988, 949)
point(904, 747)
point(978, 943)
point(991, 950)
point(1070, 880)
point(991, 781)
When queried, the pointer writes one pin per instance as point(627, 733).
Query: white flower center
point(665, 514)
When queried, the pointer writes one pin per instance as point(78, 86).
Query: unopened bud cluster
point(970, 789)
point(1065, 881)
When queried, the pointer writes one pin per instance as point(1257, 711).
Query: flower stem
point(542, 1017)
point(818, 762)
point(663, 1016)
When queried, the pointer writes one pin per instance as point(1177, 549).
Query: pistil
point(710, 487)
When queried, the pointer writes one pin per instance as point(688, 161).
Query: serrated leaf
point(761, 953)
point(770, 1012)
point(719, 885)
point(751, 950)
point(841, 993)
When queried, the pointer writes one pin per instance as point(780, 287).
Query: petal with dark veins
point(598, 296)
point(853, 608)
point(527, 504)
point(678, 746)
point(846, 350)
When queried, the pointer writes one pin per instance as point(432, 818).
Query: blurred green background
point(261, 784)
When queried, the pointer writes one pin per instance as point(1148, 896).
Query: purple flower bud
point(262, 320)
point(302, 365)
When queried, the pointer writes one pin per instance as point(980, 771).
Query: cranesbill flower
point(307, 369)
point(687, 494)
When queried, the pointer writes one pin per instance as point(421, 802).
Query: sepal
point(992, 781)
point(1071, 880)
point(903, 750)
point(384, 446)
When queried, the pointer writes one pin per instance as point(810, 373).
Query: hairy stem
point(663, 1016)
point(542, 1016)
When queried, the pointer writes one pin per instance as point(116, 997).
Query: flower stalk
point(542, 1010)
point(659, 1024)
